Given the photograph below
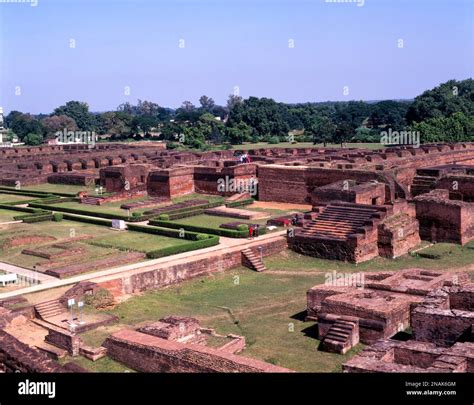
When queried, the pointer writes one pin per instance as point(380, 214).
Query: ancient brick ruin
point(366, 203)
point(178, 344)
point(379, 307)
point(437, 306)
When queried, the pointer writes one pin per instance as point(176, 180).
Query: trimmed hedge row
point(173, 250)
point(21, 202)
point(214, 204)
point(241, 203)
point(199, 241)
point(21, 209)
point(163, 231)
point(34, 193)
point(187, 214)
point(79, 211)
point(38, 218)
point(230, 233)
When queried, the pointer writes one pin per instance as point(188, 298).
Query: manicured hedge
point(79, 211)
point(164, 231)
point(187, 214)
point(20, 209)
point(173, 250)
point(34, 193)
point(241, 203)
point(213, 204)
point(230, 233)
point(36, 218)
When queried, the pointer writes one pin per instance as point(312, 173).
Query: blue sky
point(228, 43)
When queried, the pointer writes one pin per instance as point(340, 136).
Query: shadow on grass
point(300, 316)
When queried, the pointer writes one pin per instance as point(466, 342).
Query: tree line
point(442, 114)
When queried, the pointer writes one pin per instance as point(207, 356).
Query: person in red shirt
point(251, 231)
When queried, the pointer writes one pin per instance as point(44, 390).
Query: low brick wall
point(148, 353)
point(16, 356)
point(176, 271)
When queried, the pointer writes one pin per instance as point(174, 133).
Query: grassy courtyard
point(7, 198)
point(7, 215)
point(267, 308)
point(58, 188)
point(103, 242)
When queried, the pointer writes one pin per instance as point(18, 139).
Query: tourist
point(256, 230)
point(251, 232)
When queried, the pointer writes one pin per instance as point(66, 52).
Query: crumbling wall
point(148, 353)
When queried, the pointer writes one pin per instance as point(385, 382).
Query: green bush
point(230, 233)
point(240, 203)
point(136, 214)
point(38, 218)
point(243, 227)
point(173, 250)
point(102, 298)
point(273, 140)
point(164, 217)
point(202, 236)
point(57, 217)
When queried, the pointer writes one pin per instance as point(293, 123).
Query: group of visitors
point(244, 158)
point(254, 231)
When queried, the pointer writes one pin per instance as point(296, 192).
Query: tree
point(207, 103)
point(79, 112)
point(24, 124)
point(33, 139)
point(57, 123)
point(443, 101)
point(456, 128)
point(344, 132)
point(233, 100)
point(323, 130)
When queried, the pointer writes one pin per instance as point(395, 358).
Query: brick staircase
point(338, 222)
point(340, 337)
point(91, 200)
point(252, 261)
point(49, 309)
point(422, 185)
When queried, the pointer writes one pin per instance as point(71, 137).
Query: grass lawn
point(259, 145)
point(458, 257)
point(265, 308)
point(196, 196)
point(137, 241)
point(214, 221)
point(114, 207)
point(59, 230)
point(6, 198)
point(57, 188)
point(7, 215)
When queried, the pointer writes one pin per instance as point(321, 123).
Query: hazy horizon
point(93, 51)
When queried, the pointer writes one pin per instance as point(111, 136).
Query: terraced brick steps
point(338, 222)
point(422, 185)
point(339, 338)
point(49, 309)
point(252, 261)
